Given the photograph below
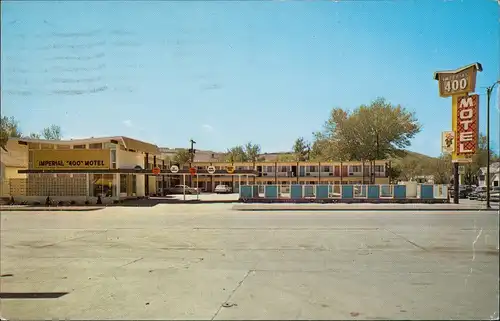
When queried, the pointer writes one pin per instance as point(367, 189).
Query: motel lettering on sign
point(467, 125)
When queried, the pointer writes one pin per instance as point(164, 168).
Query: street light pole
point(489, 90)
point(192, 151)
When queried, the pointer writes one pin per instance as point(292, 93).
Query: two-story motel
point(121, 167)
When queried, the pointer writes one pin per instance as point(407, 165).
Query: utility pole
point(191, 152)
point(489, 90)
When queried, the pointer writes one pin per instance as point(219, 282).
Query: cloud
point(207, 128)
point(128, 123)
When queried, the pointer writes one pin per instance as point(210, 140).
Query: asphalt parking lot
point(207, 262)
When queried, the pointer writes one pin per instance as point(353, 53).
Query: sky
point(228, 72)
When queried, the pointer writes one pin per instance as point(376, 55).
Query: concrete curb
point(357, 209)
point(49, 209)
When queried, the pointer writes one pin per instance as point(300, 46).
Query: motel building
point(119, 167)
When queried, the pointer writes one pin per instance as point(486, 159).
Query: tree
point(34, 136)
point(442, 169)
point(182, 157)
point(236, 154)
point(248, 153)
point(409, 168)
point(252, 152)
point(52, 133)
point(9, 128)
point(377, 131)
point(301, 149)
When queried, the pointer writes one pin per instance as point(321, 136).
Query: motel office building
point(120, 167)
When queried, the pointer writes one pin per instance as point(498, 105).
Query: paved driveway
point(193, 261)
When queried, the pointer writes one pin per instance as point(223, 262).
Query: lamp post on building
point(489, 90)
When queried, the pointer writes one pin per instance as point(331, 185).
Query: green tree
point(181, 157)
point(9, 128)
point(376, 131)
point(252, 152)
point(236, 154)
point(53, 132)
point(301, 149)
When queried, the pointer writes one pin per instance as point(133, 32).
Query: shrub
point(72, 202)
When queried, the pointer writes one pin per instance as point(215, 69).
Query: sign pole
point(184, 185)
point(489, 90)
point(456, 185)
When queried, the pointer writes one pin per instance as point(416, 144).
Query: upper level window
point(95, 146)
point(79, 146)
point(356, 169)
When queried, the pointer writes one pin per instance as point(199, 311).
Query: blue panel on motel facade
point(322, 191)
point(271, 191)
point(373, 191)
point(296, 191)
point(399, 191)
point(246, 191)
point(426, 191)
point(347, 191)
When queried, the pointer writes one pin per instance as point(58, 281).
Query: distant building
point(494, 179)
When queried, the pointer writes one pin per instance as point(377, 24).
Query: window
point(123, 183)
point(63, 146)
point(33, 146)
point(327, 169)
point(95, 146)
point(379, 168)
point(313, 169)
point(79, 146)
point(113, 158)
point(101, 184)
point(270, 169)
point(47, 146)
point(356, 169)
point(134, 184)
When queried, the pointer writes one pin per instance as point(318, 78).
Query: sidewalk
point(363, 207)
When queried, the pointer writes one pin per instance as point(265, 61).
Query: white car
point(219, 189)
point(181, 189)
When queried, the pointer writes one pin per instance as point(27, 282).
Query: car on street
point(463, 191)
point(181, 189)
point(493, 191)
point(495, 197)
point(220, 189)
point(475, 194)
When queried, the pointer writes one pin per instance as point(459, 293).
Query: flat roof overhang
point(132, 171)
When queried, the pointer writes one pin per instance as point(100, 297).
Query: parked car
point(181, 189)
point(495, 197)
point(463, 191)
point(475, 194)
point(493, 190)
point(219, 189)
